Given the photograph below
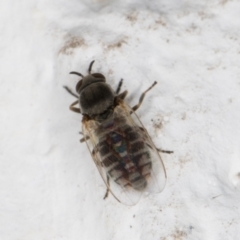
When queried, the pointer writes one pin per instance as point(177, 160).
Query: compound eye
point(98, 75)
point(78, 86)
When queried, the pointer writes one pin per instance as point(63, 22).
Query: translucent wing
point(125, 155)
point(123, 194)
point(157, 180)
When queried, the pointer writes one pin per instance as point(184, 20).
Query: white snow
point(50, 188)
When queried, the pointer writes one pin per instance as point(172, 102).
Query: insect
point(121, 147)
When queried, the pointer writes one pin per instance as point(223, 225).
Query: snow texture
point(50, 188)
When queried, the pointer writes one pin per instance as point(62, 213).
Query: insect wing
point(142, 153)
point(158, 177)
point(125, 195)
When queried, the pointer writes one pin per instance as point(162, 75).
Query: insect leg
point(119, 86)
point(106, 194)
point(70, 91)
point(142, 97)
point(161, 150)
point(90, 66)
point(74, 109)
point(122, 95)
point(84, 139)
point(164, 151)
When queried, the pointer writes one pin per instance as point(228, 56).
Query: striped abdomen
point(126, 157)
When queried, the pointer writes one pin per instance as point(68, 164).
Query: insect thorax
point(96, 99)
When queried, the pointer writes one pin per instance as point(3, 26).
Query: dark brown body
point(122, 150)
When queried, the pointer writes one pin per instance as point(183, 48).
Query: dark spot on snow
point(179, 235)
point(223, 2)
point(204, 15)
point(116, 45)
point(192, 28)
point(157, 123)
point(176, 235)
point(71, 44)
point(184, 115)
point(110, 71)
point(159, 21)
point(132, 17)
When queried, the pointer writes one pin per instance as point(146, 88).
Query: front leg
point(74, 109)
point(119, 86)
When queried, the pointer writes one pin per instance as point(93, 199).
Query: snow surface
point(50, 188)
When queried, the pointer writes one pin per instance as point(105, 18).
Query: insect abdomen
point(125, 157)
